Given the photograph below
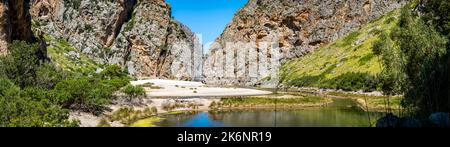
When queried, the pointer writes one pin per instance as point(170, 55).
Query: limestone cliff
point(15, 23)
point(139, 35)
point(265, 33)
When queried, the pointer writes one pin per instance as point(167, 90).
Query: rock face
point(265, 33)
point(139, 35)
point(15, 23)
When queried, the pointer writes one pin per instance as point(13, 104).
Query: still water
point(341, 113)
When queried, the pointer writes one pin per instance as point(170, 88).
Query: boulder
point(388, 121)
point(439, 119)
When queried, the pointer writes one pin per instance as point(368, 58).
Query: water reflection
point(341, 113)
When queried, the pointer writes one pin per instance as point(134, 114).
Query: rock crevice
point(15, 23)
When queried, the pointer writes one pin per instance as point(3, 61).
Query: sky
point(207, 18)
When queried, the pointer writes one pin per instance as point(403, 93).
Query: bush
point(352, 82)
point(47, 76)
point(5, 86)
point(112, 71)
point(416, 57)
point(30, 108)
point(83, 94)
point(133, 91)
point(21, 64)
point(115, 83)
point(349, 82)
point(44, 93)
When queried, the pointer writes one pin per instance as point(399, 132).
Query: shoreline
point(179, 97)
point(90, 120)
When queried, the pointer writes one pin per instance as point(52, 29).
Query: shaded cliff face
point(265, 33)
point(15, 22)
point(140, 36)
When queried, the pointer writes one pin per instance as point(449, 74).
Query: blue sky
point(206, 17)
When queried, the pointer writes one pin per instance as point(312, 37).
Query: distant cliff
point(139, 35)
point(266, 33)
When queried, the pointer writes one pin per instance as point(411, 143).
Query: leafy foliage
point(21, 64)
point(30, 108)
point(133, 91)
point(416, 57)
point(81, 93)
point(353, 81)
point(38, 94)
point(90, 94)
point(112, 72)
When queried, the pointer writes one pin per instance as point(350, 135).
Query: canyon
point(147, 41)
point(266, 33)
point(141, 36)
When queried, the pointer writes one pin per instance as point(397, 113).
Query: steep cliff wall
point(15, 22)
point(265, 33)
point(139, 35)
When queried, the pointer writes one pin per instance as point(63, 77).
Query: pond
point(340, 113)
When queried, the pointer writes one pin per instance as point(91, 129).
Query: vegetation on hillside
point(133, 92)
point(348, 64)
point(36, 93)
point(67, 57)
point(405, 52)
point(416, 57)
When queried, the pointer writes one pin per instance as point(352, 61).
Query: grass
point(129, 116)
point(352, 53)
point(151, 86)
point(59, 50)
point(375, 103)
point(271, 100)
point(147, 122)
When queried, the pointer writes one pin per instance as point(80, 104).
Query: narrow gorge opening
point(207, 19)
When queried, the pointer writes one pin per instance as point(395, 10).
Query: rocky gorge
point(265, 33)
point(141, 36)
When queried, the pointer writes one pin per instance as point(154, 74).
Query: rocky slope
point(266, 33)
point(139, 35)
point(15, 23)
point(350, 59)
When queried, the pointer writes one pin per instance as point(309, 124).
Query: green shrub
point(83, 94)
point(21, 64)
point(47, 76)
point(133, 91)
point(353, 82)
point(5, 86)
point(349, 82)
point(112, 71)
point(30, 108)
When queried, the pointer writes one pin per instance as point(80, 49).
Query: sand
point(177, 89)
point(171, 92)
